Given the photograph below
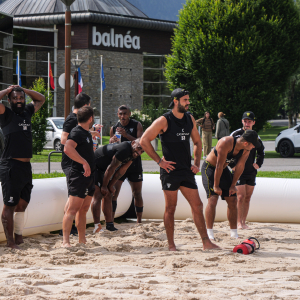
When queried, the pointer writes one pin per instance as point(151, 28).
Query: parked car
point(288, 142)
point(53, 133)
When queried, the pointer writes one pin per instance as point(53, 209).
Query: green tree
point(38, 120)
point(235, 55)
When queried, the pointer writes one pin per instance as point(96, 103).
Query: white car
point(53, 133)
point(288, 142)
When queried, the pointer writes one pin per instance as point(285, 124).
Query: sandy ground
point(134, 264)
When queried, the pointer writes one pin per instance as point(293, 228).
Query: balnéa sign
point(110, 39)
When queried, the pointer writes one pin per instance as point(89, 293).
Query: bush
point(38, 120)
point(148, 114)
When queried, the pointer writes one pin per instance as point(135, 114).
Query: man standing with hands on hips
point(15, 167)
point(247, 181)
point(176, 171)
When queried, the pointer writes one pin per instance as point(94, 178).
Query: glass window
point(59, 123)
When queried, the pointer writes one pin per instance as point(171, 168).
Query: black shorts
point(16, 181)
point(208, 177)
point(99, 175)
point(79, 185)
point(133, 176)
point(247, 179)
point(170, 182)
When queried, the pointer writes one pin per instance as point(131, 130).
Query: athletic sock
point(96, 228)
point(110, 226)
point(210, 233)
point(234, 233)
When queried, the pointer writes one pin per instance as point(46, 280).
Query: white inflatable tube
point(274, 200)
point(46, 208)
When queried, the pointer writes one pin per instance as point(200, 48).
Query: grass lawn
point(271, 133)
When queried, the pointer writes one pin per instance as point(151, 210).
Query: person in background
point(222, 128)
point(207, 126)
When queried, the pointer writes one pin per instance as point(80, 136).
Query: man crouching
point(79, 147)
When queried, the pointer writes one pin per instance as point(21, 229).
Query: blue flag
point(103, 78)
point(18, 71)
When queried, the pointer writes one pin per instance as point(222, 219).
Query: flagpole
point(18, 62)
point(48, 79)
point(101, 89)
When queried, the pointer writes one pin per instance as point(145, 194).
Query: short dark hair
point(123, 107)
point(84, 113)
point(16, 89)
point(81, 100)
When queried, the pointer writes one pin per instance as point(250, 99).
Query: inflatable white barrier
point(274, 200)
point(46, 208)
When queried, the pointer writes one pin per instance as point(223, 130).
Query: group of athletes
point(95, 177)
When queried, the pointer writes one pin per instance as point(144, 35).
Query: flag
point(51, 77)
point(80, 82)
point(103, 78)
point(18, 71)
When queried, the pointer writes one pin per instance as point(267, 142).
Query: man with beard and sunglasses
point(15, 167)
point(176, 171)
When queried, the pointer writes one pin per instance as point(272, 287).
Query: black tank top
point(131, 128)
point(175, 143)
point(231, 160)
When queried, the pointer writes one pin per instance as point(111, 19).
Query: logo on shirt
point(131, 130)
point(168, 185)
point(88, 140)
point(11, 200)
point(24, 125)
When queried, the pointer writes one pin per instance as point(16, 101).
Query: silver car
point(53, 133)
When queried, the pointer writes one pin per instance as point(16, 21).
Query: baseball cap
point(248, 115)
point(178, 93)
point(251, 136)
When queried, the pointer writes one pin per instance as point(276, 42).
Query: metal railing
point(49, 156)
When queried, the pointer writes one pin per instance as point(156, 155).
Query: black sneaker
point(111, 227)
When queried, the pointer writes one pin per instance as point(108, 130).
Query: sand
point(134, 263)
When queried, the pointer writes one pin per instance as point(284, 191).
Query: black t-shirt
point(17, 132)
point(70, 123)
point(105, 154)
point(175, 143)
point(131, 128)
point(84, 147)
point(255, 152)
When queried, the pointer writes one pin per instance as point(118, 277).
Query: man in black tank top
point(218, 180)
point(130, 130)
point(15, 167)
point(176, 171)
point(247, 181)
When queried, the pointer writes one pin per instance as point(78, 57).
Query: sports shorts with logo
point(208, 177)
point(79, 185)
point(249, 179)
point(133, 176)
point(99, 176)
point(172, 182)
point(16, 181)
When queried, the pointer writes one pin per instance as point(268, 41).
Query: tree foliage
point(38, 120)
point(235, 55)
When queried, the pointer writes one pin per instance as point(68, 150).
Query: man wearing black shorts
point(130, 130)
point(81, 185)
point(246, 183)
point(71, 122)
point(218, 180)
point(15, 167)
point(176, 171)
point(112, 161)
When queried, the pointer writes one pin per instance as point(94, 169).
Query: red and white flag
point(51, 77)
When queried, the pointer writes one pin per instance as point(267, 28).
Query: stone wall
point(123, 77)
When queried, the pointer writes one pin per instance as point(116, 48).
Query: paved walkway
point(270, 164)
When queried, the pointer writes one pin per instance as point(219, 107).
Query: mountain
point(159, 9)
